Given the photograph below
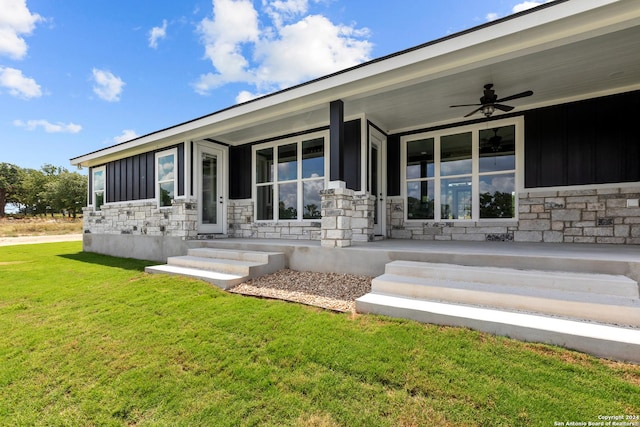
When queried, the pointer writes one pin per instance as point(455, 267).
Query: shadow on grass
point(109, 261)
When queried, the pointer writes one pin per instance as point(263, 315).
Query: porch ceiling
point(601, 65)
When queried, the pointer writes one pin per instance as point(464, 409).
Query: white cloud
point(157, 33)
point(235, 23)
point(296, 48)
point(280, 10)
point(19, 85)
point(309, 48)
point(48, 127)
point(15, 20)
point(527, 5)
point(107, 86)
point(127, 135)
point(245, 96)
point(492, 16)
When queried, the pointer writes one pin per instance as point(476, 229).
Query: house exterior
point(375, 151)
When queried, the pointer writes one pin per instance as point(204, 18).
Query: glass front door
point(376, 182)
point(211, 199)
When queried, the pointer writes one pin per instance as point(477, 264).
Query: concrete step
point(610, 309)
point(276, 258)
point(222, 280)
point(224, 268)
point(230, 266)
point(603, 284)
point(606, 341)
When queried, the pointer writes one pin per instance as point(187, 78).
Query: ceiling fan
point(490, 102)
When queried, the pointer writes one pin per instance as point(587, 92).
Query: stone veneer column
point(337, 208)
point(362, 218)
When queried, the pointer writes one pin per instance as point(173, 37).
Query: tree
point(9, 184)
point(67, 191)
point(31, 191)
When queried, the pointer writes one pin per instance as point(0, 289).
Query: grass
point(88, 340)
point(15, 226)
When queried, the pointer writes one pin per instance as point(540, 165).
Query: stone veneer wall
point(362, 220)
point(580, 216)
point(241, 224)
point(569, 216)
point(143, 217)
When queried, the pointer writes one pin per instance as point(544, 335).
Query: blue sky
point(77, 76)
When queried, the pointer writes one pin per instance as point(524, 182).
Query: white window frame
point(102, 169)
point(517, 122)
point(158, 155)
point(299, 180)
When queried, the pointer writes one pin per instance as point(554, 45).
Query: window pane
point(287, 162)
point(420, 200)
point(455, 154)
point(455, 195)
point(98, 199)
point(265, 202)
point(311, 198)
point(420, 158)
point(209, 190)
point(165, 168)
point(497, 149)
point(313, 158)
point(288, 201)
point(497, 196)
point(264, 165)
point(98, 180)
point(166, 193)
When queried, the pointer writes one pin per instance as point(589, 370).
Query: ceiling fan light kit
point(489, 102)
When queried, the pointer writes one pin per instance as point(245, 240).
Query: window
point(98, 177)
point(461, 175)
point(291, 173)
point(166, 176)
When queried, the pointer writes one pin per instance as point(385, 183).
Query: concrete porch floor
point(370, 258)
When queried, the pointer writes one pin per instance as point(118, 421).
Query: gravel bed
point(327, 290)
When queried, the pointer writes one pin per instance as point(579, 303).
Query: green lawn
point(92, 340)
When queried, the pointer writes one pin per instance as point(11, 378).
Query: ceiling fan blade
point(503, 107)
point(473, 112)
point(464, 105)
point(516, 96)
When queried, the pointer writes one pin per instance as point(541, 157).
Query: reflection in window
point(265, 202)
point(165, 178)
point(264, 165)
point(462, 176)
point(98, 187)
point(295, 184)
point(313, 158)
point(287, 162)
point(455, 154)
point(497, 196)
point(497, 149)
point(311, 200)
point(455, 198)
point(420, 159)
point(420, 200)
point(288, 201)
